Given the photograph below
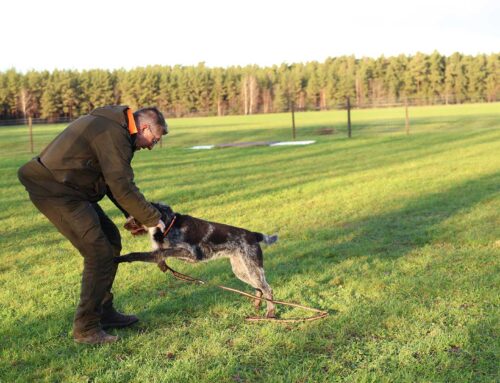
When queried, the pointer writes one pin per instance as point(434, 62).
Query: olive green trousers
point(97, 239)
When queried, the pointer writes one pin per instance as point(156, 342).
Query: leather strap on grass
point(186, 278)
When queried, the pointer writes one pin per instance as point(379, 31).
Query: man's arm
point(131, 224)
point(114, 153)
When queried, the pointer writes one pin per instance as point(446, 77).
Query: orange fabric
point(132, 128)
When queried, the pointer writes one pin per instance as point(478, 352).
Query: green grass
point(396, 236)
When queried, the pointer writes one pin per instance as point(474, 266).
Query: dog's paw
point(163, 266)
point(271, 314)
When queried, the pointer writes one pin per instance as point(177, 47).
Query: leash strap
point(186, 278)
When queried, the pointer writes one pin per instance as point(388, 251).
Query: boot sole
point(85, 341)
point(106, 326)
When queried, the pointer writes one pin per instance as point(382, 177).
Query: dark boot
point(111, 318)
point(95, 337)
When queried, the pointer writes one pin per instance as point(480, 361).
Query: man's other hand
point(134, 226)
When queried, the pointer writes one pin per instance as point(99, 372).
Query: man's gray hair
point(153, 117)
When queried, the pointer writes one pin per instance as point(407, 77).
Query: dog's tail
point(267, 239)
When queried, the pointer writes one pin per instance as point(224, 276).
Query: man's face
point(146, 138)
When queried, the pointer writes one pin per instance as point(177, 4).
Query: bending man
point(89, 159)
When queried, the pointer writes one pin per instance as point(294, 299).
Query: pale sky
point(109, 34)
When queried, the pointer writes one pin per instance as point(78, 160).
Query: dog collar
point(169, 226)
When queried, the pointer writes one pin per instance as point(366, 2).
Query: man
point(89, 159)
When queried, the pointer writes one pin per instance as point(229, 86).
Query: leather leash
point(186, 278)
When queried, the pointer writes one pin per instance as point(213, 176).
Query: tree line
point(186, 90)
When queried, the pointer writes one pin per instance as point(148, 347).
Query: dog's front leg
point(163, 266)
point(149, 256)
point(157, 256)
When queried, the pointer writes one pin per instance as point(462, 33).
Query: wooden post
point(291, 100)
point(30, 126)
point(407, 120)
point(349, 117)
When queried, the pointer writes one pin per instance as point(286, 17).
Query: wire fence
point(19, 137)
point(296, 106)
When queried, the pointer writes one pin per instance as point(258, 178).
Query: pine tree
point(313, 86)
point(493, 77)
point(436, 77)
point(69, 87)
point(164, 100)
point(346, 77)
point(10, 85)
point(416, 78)
point(455, 80)
point(394, 78)
point(364, 76)
point(33, 84)
point(51, 102)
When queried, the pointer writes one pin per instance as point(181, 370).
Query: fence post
point(293, 119)
point(30, 126)
point(348, 117)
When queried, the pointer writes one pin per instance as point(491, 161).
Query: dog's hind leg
point(246, 268)
point(261, 284)
point(257, 302)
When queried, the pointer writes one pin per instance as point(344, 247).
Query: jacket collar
point(132, 128)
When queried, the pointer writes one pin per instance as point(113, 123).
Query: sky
point(110, 34)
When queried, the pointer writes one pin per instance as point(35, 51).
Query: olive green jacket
point(94, 151)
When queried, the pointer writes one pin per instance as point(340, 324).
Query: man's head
point(151, 125)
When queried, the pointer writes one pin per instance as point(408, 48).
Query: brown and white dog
point(195, 240)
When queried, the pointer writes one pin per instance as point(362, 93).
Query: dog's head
point(167, 214)
point(137, 228)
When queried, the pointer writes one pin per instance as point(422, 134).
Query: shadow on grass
point(392, 234)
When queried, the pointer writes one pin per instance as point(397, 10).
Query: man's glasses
point(155, 140)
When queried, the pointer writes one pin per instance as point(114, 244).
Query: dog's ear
point(169, 211)
point(166, 211)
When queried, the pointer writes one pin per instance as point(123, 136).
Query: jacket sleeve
point(113, 150)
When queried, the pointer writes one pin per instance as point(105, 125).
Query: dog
point(195, 240)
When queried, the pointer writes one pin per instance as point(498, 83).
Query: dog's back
point(211, 239)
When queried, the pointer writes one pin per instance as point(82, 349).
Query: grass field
point(397, 236)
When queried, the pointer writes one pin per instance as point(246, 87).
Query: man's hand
point(134, 226)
